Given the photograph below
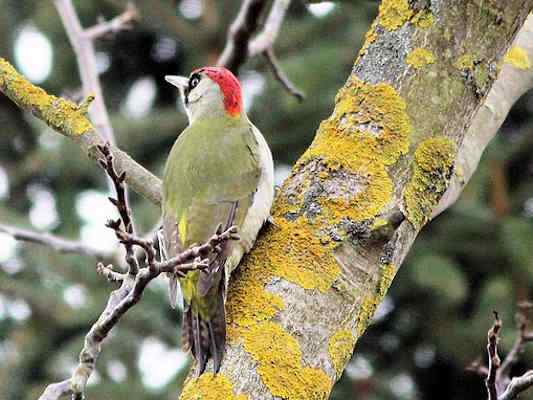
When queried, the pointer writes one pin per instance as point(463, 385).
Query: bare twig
point(132, 284)
point(83, 45)
point(107, 272)
point(517, 386)
point(240, 33)
point(119, 23)
point(265, 40)
point(121, 203)
point(478, 368)
point(494, 359)
point(498, 381)
point(55, 242)
point(280, 75)
point(240, 46)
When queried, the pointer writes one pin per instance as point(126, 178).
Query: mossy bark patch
point(419, 58)
point(431, 173)
point(61, 115)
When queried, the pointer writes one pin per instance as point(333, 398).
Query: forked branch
point(133, 283)
point(500, 385)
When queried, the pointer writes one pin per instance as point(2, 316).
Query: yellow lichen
point(388, 271)
point(210, 387)
point(433, 167)
point(379, 223)
point(419, 58)
point(394, 13)
point(423, 19)
point(279, 360)
point(293, 250)
point(366, 312)
point(464, 63)
point(371, 301)
point(249, 302)
point(340, 348)
point(518, 58)
point(369, 130)
point(62, 115)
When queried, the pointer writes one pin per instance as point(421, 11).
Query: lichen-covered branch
point(514, 80)
point(133, 283)
point(355, 201)
point(57, 243)
point(71, 120)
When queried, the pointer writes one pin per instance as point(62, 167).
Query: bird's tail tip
point(205, 339)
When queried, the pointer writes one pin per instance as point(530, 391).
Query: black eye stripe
point(194, 80)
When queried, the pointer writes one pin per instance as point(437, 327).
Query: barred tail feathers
point(205, 339)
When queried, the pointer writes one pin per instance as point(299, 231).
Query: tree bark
point(348, 214)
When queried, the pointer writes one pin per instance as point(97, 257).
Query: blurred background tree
point(433, 322)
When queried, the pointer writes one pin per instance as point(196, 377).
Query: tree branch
point(132, 284)
point(498, 381)
point(266, 39)
point(494, 360)
point(376, 156)
point(280, 75)
point(518, 346)
point(240, 32)
point(119, 23)
point(512, 83)
point(240, 46)
point(71, 120)
point(55, 242)
point(517, 386)
point(82, 42)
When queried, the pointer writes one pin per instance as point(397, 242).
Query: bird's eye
point(194, 81)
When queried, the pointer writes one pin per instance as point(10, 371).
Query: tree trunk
point(348, 214)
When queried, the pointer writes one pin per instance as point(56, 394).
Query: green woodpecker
point(219, 171)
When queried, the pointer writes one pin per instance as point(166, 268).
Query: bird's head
point(209, 91)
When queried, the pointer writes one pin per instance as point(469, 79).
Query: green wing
point(212, 166)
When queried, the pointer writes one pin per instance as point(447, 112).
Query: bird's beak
point(181, 82)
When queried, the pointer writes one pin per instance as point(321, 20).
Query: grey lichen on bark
point(351, 209)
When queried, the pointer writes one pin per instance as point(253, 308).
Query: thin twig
point(478, 368)
point(107, 272)
point(517, 386)
point(119, 23)
point(121, 203)
point(494, 359)
point(240, 45)
point(83, 46)
point(265, 40)
point(132, 284)
point(498, 381)
point(240, 32)
point(57, 243)
point(280, 75)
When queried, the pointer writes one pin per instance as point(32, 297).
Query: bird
point(219, 171)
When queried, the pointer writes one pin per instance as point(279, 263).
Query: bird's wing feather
point(206, 175)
